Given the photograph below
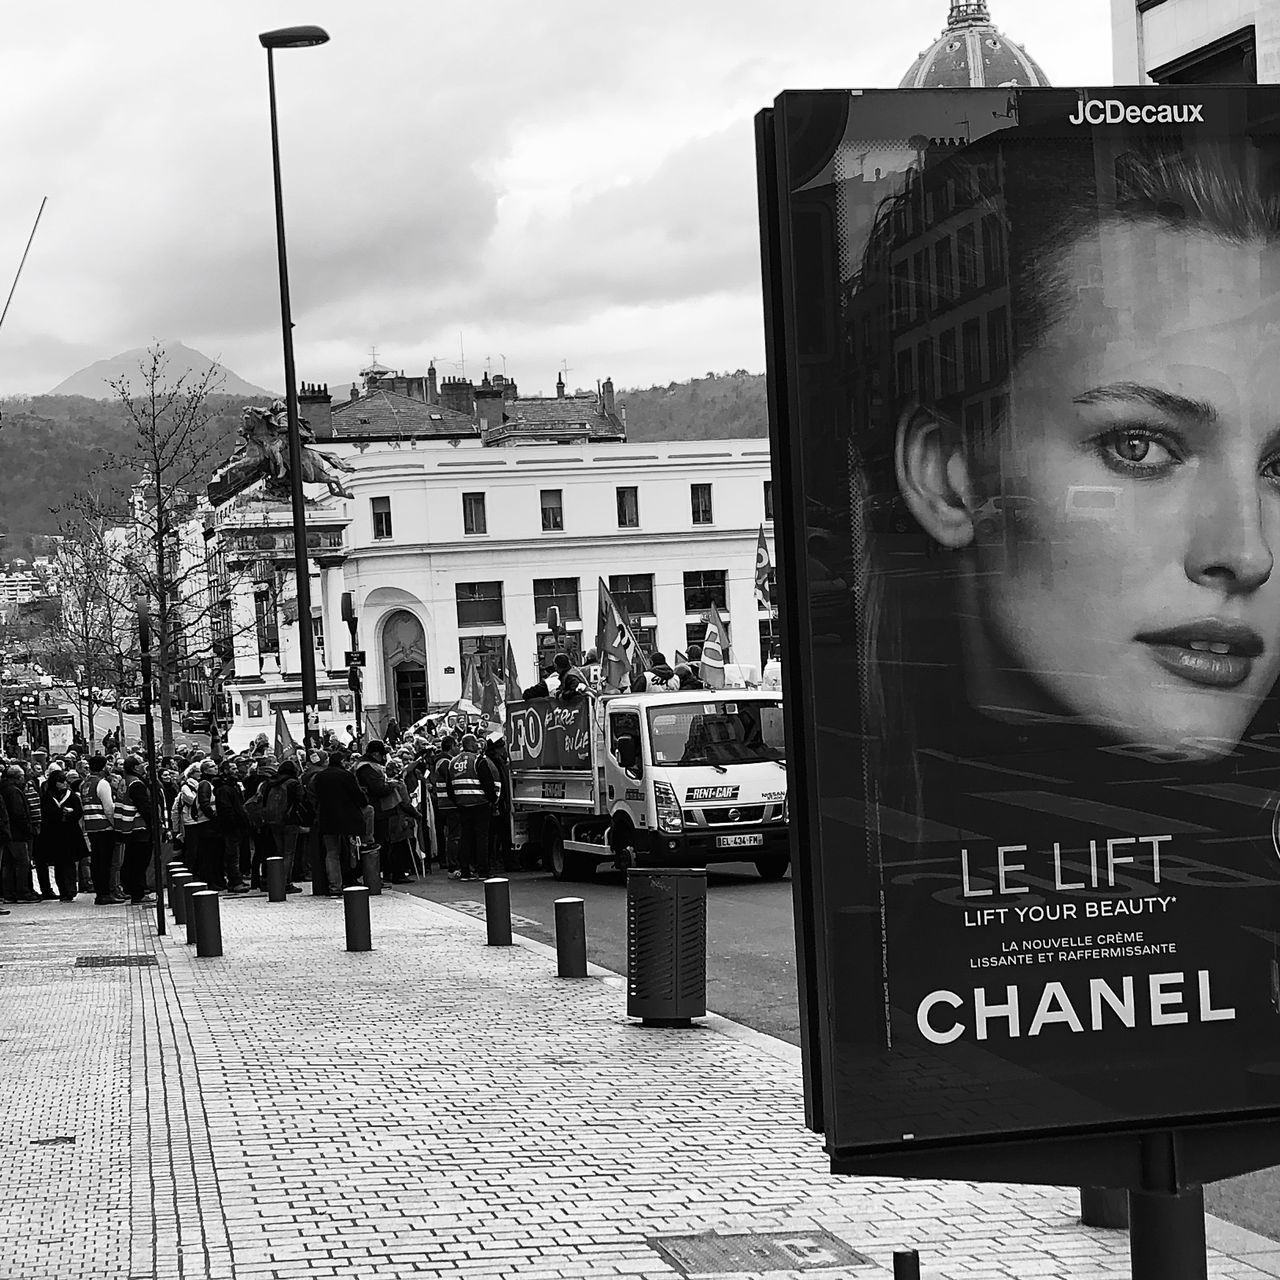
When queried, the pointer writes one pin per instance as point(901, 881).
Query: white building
point(1195, 41)
point(20, 586)
point(456, 551)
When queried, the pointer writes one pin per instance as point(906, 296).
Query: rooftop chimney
point(606, 396)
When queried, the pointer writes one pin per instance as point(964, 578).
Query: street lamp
point(294, 38)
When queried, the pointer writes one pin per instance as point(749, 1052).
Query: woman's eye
point(1132, 448)
point(1137, 452)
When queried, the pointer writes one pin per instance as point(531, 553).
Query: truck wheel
point(564, 864)
point(774, 866)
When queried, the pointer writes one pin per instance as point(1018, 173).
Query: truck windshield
point(716, 733)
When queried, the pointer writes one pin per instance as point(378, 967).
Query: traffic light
point(354, 678)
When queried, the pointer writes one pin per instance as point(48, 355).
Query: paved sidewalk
point(435, 1107)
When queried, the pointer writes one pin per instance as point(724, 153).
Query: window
point(768, 499)
point(943, 272)
point(924, 359)
point(552, 510)
point(700, 497)
point(626, 725)
point(381, 517)
point(948, 365)
point(703, 588)
point(628, 508)
point(998, 343)
point(479, 603)
point(317, 632)
point(561, 592)
point(268, 627)
point(967, 252)
point(633, 592)
point(971, 345)
point(489, 653)
point(473, 519)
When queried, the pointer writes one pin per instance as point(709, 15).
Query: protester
point(280, 796)
point(99, 807)
point(340, 820)
point(137, 843)
point(62, 842)
point(473, 786)
point(393, 734)
point(371, 773)
point(401, 821)
point(447, 822)
point(224, 865)
point(500, 857)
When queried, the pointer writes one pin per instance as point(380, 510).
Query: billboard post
point(1027, 487)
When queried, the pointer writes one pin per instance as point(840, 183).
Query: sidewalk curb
point(1226, 1237)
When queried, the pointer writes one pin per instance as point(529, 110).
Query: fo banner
point(546, 734)
point(1032, 539)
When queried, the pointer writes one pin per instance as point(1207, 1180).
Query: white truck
point(651, 779)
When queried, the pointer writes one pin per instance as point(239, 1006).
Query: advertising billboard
point(1025, 396)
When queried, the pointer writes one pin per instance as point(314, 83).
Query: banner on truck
point(545, 733)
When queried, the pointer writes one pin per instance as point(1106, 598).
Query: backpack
point(304, 809)
point(276, 807)
point(255, 812)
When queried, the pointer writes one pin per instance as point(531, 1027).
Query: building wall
point(429, 554)
point(1170, 29)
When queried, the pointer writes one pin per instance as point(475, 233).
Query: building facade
point(1195, 41)
point(474, 513)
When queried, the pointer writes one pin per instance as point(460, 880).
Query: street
point(750, 937)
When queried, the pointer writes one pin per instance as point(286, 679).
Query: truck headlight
point(669, 816)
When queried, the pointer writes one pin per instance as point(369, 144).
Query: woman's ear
point(933, 477)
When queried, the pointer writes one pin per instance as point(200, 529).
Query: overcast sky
point(549, 181)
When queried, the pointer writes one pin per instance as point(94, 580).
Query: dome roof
point(972, 53)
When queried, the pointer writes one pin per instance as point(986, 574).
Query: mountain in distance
point(94, 381)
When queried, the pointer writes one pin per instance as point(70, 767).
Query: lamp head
point(293, 37)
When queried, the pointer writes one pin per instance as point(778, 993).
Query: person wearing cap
point(137, 843)
point(474, 788)
point(447, 825)
point(99, 805)
point(62, 841)
point(339, 819)
point(371, 774)
point(16, 871)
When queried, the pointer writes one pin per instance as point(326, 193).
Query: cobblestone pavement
point(434, 1107)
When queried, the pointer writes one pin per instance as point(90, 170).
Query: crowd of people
point(84, 821)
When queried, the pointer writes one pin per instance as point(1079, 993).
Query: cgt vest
point(464, 775)
point(95, 813)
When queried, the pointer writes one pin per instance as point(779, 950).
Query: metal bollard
point(497, 911)
point(355, 907)
point(177, 901)
point(906, 1264)
point(189, 890)
point(276, 883)
point(204, 906)
point(371, 869)
point(571, 938)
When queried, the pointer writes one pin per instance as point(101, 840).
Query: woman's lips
point(1210, 652)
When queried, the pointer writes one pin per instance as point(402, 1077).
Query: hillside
point(50, 445)
point(712, 408)
point(95, 380)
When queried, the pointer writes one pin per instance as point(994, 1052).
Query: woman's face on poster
point(1124, 561)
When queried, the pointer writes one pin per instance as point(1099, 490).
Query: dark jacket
point(61, 835)
point(228, 796)
point(340, 802)
point(140, 797)
point(15, 804)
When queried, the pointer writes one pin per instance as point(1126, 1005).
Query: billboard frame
point(1163, 1165)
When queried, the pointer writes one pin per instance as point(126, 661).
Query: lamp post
point(294, 38)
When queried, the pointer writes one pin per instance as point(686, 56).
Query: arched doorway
point(404, 665)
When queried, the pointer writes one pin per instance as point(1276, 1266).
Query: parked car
point(196, 721)
point(132, 706)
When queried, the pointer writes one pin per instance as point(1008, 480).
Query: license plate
point(740, 841)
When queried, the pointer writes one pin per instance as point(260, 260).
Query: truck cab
point(670, 779)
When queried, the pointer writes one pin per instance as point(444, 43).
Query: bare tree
point(171, 458)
